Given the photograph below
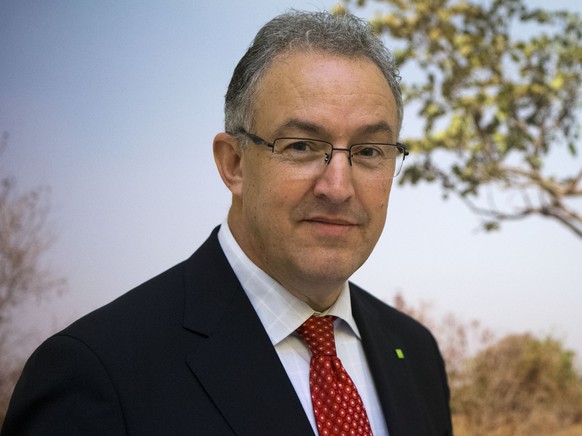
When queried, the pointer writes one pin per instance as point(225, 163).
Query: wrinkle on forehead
point(312, 93)
point(311, 128)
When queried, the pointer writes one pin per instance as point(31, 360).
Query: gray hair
point(343, 35)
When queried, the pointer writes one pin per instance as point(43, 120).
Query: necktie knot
point(317, 332)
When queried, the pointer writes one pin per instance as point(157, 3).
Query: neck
point(319, 299)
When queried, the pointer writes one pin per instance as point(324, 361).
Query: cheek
point(375, 199)
point(263, 197)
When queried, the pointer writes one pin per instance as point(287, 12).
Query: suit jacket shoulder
point(159, 360)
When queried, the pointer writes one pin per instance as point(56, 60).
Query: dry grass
point(574, 430)
point(462, 429)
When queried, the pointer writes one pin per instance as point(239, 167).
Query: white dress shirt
point(281, 314)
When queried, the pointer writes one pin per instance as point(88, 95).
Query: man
point(227, 342)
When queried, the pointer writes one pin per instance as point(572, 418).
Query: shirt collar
point(280, 312)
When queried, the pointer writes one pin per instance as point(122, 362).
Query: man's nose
point(336, 180)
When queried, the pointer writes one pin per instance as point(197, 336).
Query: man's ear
point(228, 158)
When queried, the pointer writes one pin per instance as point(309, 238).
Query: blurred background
point(113, 106)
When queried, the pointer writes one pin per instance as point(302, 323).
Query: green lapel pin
point(399, 353)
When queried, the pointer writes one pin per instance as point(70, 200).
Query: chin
point(327, 269)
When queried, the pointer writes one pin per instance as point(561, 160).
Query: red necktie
point(337, 405)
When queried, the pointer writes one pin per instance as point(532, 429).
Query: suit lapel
point(392, 375)
point(233, 357)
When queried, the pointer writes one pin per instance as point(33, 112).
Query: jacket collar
point(232, 357)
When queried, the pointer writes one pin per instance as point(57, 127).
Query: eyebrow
point(310, 128)
point(302, 125)
point(379, 127)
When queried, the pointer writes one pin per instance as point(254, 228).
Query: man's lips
point(336, 221)
point(330, 227)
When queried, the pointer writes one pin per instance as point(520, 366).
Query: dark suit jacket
point(186, 354)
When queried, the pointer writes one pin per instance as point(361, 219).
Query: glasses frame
point(260, 141)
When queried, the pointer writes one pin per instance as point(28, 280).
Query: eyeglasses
point(309, 157)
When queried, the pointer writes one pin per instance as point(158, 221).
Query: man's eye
point(367, 152)
point(300, 150)
point(299, 146)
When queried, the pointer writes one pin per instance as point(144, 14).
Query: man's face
point(312, 233)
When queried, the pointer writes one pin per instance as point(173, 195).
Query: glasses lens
point(304, 156)
point(377, 161)
point(308, 157)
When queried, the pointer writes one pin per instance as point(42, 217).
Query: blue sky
point(114, 106)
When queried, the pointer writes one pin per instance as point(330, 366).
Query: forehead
point(339, 94)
